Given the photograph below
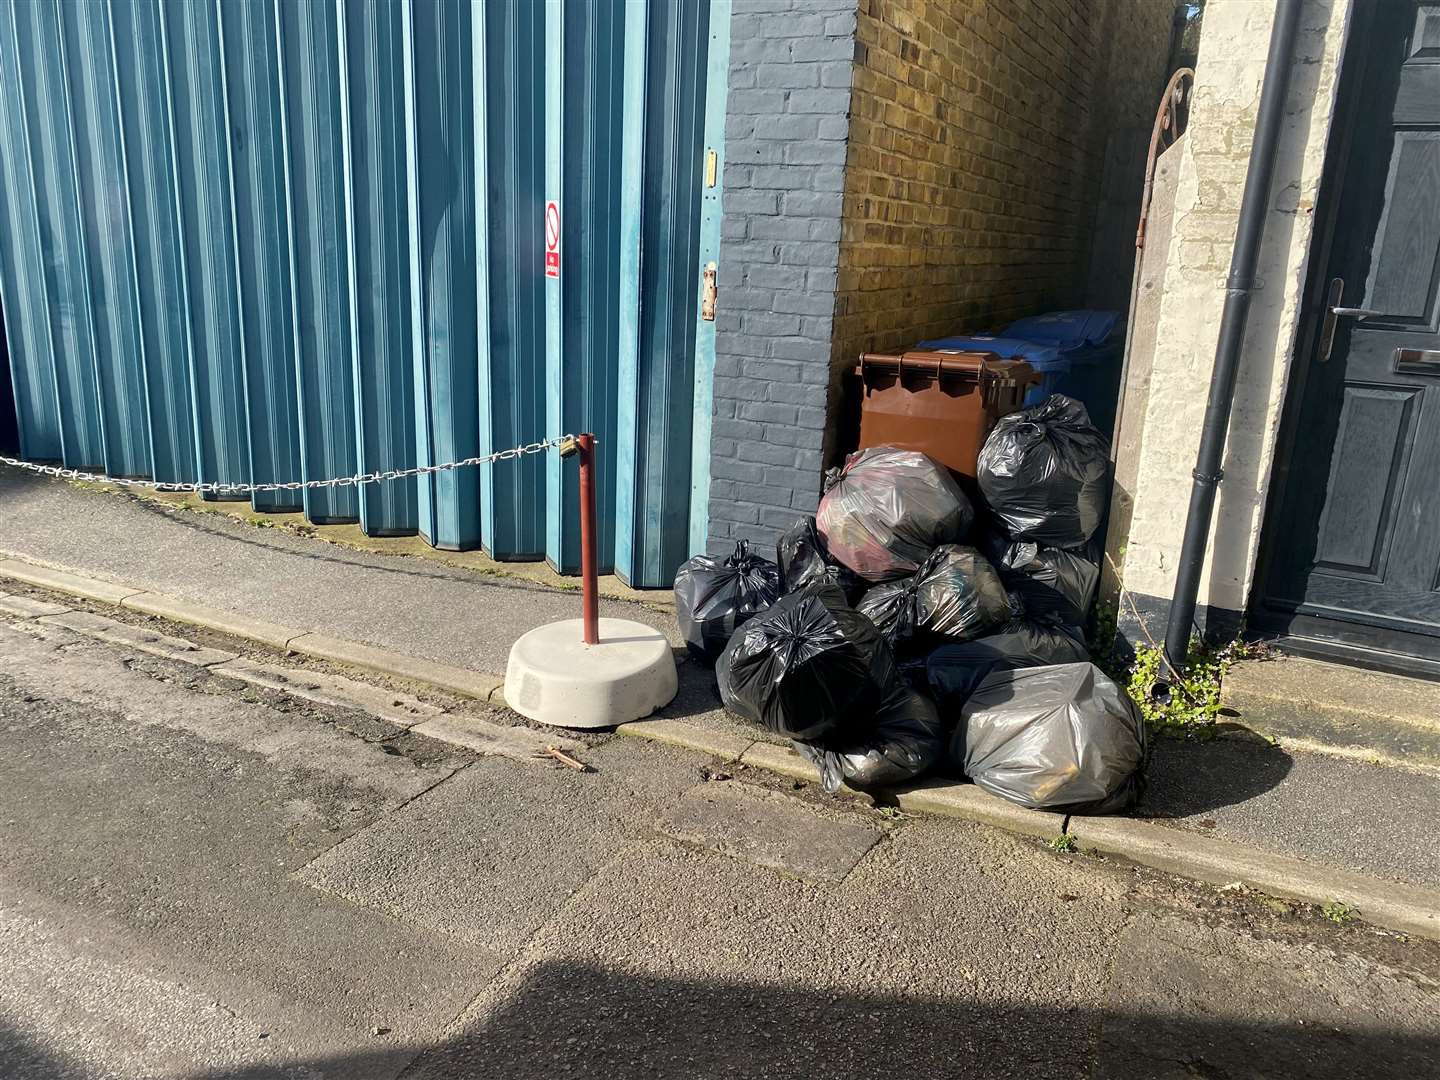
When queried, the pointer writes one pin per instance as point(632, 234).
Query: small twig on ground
point(564, 758)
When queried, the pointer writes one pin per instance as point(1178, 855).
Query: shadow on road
point(578, 1020)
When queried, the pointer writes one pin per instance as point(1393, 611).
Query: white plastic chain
point(216, 488)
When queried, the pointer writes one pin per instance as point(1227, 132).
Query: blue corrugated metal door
point(254, 241)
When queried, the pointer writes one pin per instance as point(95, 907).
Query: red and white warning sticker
point(552, 239)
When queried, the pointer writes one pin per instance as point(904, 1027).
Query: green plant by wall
point(1194, 700)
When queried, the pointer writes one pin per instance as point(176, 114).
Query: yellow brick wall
point(977, 138)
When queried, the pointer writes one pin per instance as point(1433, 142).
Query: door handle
point(1334, 313)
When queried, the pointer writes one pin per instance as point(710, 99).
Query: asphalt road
point(204, 879)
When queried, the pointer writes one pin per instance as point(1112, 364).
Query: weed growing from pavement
point(1193, 703)
point(1339, 912)
point(1065, 844)
point(1194, 700)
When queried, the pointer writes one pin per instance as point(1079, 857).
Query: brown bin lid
point(939, 364)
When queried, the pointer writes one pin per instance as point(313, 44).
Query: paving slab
point(175, 817)
point(494, 852)
point(1193, 999)
point(138, 637)
point(27, 607)
point(768, 829)
point(325, 688)
point(949, 951)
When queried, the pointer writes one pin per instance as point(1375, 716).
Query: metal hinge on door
point(708, 294)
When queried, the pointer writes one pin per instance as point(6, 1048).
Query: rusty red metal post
point(589, 557)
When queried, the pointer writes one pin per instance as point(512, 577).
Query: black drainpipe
point(1238, 288)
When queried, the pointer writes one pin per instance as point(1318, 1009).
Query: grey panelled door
point(1356, 546)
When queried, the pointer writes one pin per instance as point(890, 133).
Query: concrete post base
point(555, 678)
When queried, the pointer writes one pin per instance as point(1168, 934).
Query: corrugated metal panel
point(672, 171)
point(108, 251)
point(27, 319)
point(63, 254)
point(142, 90)
point(262, 236)
point(319, 253)
point(585, 99)
point(510, 65)
point(382, 346)
point(190, 43)
point(249, 239)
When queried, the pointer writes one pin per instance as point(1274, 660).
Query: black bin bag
point(1044, 472)
point(713, 596)
point(956, 595)
point(1052, 583)
point(904, 741)
point(952, 672)
point(804, 561)
point(806, 667)
point(1064, 738)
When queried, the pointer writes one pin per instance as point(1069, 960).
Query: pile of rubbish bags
point(904, 629)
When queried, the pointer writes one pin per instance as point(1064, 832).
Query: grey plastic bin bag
point(1064, 738)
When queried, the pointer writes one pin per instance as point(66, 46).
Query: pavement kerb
point(460, 680)
point(171, 607)
point(1395, 905)
point(46, 577)
point(718, 744)
point(386, 661)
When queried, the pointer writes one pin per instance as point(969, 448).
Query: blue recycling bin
point(1076, 353)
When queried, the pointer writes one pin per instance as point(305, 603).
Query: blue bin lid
point(1067, 329)
point(1041, 355)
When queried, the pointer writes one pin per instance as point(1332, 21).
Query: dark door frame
point(1371, 646)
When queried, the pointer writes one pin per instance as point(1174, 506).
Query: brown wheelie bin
point(940, 403)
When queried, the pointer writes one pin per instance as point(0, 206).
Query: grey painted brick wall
point(786, 129)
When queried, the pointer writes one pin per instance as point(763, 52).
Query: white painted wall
point(1234, 40)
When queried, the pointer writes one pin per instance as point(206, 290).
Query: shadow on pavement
point(1188, 778)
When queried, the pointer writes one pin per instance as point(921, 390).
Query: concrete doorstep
point(1402, 907)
